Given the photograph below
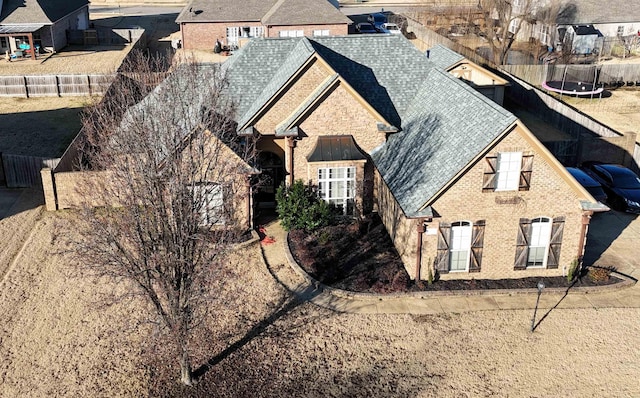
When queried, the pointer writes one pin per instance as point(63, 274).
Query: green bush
point(573, 270)
point(299, 207)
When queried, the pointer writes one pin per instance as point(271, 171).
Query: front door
point(272, 176)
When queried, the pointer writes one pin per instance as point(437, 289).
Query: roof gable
point(446, 127)
point(38, 11)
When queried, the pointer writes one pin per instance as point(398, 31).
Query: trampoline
point(573, 80)
point(573, 88)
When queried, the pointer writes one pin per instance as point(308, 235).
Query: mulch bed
point(360, 257)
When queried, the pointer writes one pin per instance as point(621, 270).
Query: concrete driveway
point(614, 240)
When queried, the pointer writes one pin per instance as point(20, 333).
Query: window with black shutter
point(499, 172)
point(525, 173)
point(490, 169)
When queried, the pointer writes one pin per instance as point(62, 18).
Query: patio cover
point(22, 28)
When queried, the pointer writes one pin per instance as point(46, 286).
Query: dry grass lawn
point(40, 126)
point(54, 341)
point(621, 111)
point(70, 60)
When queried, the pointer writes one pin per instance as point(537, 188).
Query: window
point(460, 246)
point(538, 243)
point(544, 35)
point(337, 187)
point(208, 200)
point(322, 32)
point(621, 30)
point(4, 43)
point(507, 171)
point(514, 25)
point(291, 33)
point(256, 31)
point(233, 33)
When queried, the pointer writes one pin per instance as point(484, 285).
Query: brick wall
point(202, 36)
point(549, 196)
point(292, 97)
point(334, 30)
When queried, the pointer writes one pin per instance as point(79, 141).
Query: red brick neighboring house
point(25, 24)
point(202, 22)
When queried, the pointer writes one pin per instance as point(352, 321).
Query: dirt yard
point(55, 341)
point(41, 126)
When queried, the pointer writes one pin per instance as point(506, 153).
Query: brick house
point(43, 24)
point(202, 22)
point(459, 182)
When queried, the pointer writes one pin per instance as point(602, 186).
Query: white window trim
point(348, 192)
point(549, 224)
point(469, 226)
point(291, 33)
point(509, 184)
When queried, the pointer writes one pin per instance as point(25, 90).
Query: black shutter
point(442, 257)
point(525, 172)
point(477, 239)
point(489, 178)
point(553, 259)
point(522, 244)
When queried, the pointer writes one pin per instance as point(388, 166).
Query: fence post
point(26, 86)
point(48, 187)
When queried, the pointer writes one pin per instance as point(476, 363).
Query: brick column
point(48, 186)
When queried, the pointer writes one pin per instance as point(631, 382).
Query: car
point(592, 186)
point(388, 27)
point(377, 19)
point(365, 27)
point(621, 185)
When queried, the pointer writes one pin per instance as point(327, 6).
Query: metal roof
point(331, 148)
point(26, 28)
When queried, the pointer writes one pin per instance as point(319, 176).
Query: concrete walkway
point(294, 279)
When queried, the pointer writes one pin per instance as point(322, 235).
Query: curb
point(345, 294)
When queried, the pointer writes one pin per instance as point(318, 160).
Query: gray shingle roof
point(443, 57)
point(294, 60)
point(584, 12)
point(444, 123)
point(447, 125)
point(269, 12)
point(37, 11)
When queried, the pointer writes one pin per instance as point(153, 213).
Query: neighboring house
point(41, 24)
point(615, 18)
point(203, 22)
point(584, 39)
point(486, 82)
point(459, 182)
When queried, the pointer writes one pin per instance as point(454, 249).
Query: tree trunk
point(186, 375)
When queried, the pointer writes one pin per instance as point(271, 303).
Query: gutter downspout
point(420, 229)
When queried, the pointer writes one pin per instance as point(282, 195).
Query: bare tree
point(169, 172)
point(503, 20)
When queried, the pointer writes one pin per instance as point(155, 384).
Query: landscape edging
point(626, 283)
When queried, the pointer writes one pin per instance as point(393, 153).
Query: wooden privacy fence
point(24, 171)
point(54, 85)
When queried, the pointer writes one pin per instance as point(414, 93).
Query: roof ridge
point(272, 10)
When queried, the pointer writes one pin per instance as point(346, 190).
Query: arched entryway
point(272, 167)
